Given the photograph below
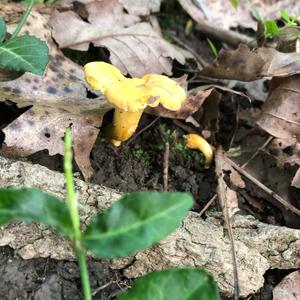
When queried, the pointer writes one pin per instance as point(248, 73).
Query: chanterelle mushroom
point(195, 141)
point(130, 96)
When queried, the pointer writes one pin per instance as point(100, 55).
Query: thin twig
point(222, 196)
point(166, 167)
point(275, 196)
point(102, 287)
point(265, 144)
point(207, 205)
point(142, 130)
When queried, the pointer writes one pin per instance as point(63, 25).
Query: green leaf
point(2, 30)
point(271, 28)
point(174, 284)
point(34, 205)
point(284, 15)
point(234, 3)
point(135, 222)
point(24, 53)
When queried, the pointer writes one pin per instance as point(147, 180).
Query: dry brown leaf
point(281, 111)
point(134, 7)
point(288, 288)
point(246, 65)
point(134, 46)
point(222, 14)
point(281, 118)
point(58, 100)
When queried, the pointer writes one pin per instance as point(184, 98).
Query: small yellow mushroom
point(130, 96)
point(195, 141)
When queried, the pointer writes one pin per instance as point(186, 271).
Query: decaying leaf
point(56, 100)
point(134, 46)
point(281, 118)
point(288, 288)
point(246, 65)
point(222, 14)
point(281, 111)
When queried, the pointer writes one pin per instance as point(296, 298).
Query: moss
point(143, 156)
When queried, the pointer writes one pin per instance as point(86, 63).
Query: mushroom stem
point(124, 125)
point(195, 141)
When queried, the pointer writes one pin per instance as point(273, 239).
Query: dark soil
point(49, 279)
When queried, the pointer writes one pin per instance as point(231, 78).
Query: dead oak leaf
point(55, 100)
point(134, 46)
point(246, 65)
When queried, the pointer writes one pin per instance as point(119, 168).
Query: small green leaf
point(2, 30)
point(174, 284)
point(135, 222)
point(285, 16)
point(271, 28)
point(33, 205)
point(24, 53)
point(234, 3)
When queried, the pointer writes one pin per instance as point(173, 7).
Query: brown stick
point(275, 196)
point(166, 167)
point(222, 196)
point(230, 37)
point(265, 144)
point(208, 204)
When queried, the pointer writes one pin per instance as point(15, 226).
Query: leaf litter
point(55, 101)
point(59, 98)
point(134, 45)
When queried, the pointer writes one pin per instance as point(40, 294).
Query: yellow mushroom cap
point(133, 94)
point(99, 75)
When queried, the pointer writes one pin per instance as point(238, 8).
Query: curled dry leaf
point(134, 46)
point(222, 14)
point(288, 288)
point(246, 65)
point(55, 101)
